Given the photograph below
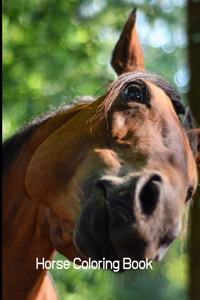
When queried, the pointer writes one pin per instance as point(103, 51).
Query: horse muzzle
point(132, 216)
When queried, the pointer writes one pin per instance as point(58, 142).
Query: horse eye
point(189, 193)
point(136, 93)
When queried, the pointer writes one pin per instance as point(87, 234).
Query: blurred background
point(56, 51)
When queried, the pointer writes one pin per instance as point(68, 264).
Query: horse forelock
point(117, 86)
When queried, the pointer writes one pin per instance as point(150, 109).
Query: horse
point(107, 178)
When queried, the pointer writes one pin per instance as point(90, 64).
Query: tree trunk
point(194, 100)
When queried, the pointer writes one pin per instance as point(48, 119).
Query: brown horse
point(108, 178)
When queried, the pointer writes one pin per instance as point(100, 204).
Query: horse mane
point(12, 146)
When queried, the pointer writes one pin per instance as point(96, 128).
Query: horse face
point(118, 187)
point(144, 173)
point(141, 178)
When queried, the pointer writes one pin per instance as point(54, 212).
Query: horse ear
point(128, 55)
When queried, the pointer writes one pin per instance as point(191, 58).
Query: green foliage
point(167, 280)
point(54, 51)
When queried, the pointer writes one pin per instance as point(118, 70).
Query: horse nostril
point(149, 195)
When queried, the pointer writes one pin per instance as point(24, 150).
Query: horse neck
point(26, 234)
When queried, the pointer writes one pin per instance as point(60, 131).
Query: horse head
point(116, 177)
